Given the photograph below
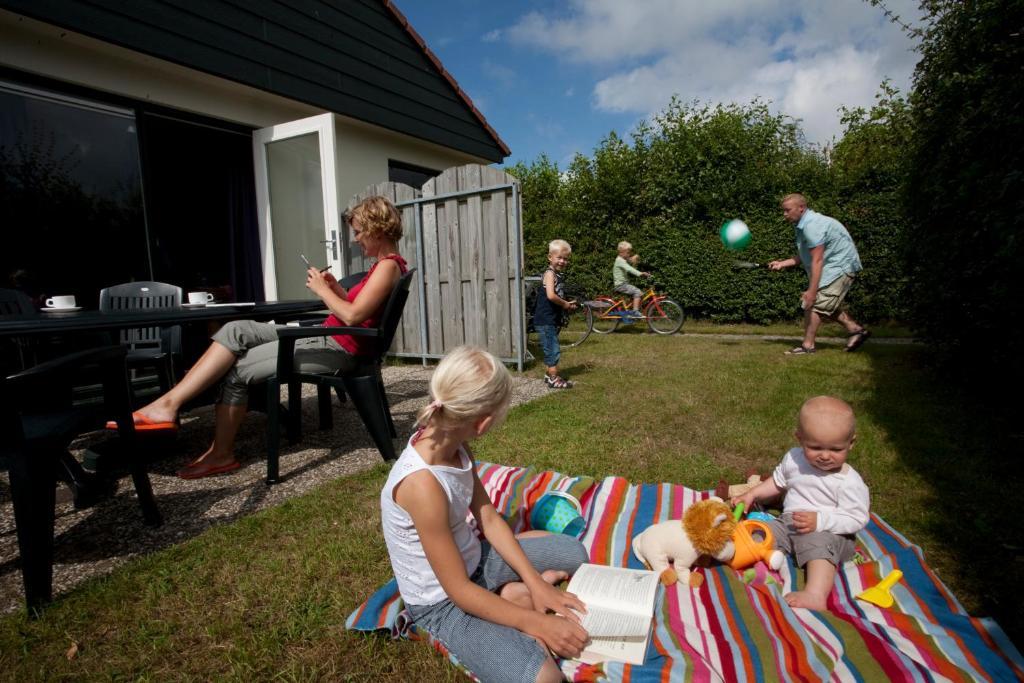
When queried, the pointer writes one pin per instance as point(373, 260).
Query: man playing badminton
point(828, 255)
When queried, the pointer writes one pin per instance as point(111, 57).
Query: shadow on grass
point(969, 456)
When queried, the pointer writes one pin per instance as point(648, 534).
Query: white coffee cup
point(66, 301)
point(199, 297)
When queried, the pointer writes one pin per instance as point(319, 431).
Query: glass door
point(297, 202)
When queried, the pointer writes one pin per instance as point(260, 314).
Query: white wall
point(363, 152)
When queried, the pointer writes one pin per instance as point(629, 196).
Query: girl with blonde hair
point(488, 600)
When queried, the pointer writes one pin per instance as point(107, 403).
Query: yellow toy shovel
point(880, 595)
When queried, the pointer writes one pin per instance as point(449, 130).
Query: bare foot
point(206, 468)
point(209, 463)
point(158, 411)
point(517, 593)
point(554, 576)
point(806, 600)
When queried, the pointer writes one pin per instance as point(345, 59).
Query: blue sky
point(557, 77)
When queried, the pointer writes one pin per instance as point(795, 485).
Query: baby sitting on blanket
point(826, 500)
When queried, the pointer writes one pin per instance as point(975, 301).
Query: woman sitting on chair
point(244, 352)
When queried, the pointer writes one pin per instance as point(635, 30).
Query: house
point(129, 129)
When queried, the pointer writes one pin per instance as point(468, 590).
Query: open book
point(620, 605)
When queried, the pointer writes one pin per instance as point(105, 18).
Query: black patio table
point(69, 323)
point(61, 322)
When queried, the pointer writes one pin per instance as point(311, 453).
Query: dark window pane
point(71, 218)
point(410, 174)
point(201, 208)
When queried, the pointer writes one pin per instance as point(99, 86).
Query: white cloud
point(491, 36)
point(807, 57)
point(570, 91)
point(504, 75)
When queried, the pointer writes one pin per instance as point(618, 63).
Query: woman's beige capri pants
point(255, 345)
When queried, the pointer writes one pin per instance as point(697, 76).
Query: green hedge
point(966, 189)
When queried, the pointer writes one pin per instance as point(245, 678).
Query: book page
point(598, 623)
point(615, 588)
point(629, 650)
point(620, 607)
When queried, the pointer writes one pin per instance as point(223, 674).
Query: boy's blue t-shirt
point(545, 312)
point(841, 257)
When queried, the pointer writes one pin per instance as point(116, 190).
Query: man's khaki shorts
point(829, 301)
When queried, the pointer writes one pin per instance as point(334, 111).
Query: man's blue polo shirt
point(841, 255)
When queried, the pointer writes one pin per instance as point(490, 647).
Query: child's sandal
point(556, 382)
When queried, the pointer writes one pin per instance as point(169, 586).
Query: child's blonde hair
point(624, 246)
point(468, 384)
point(559, 247)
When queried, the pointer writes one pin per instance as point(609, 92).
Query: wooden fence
point(463, 234)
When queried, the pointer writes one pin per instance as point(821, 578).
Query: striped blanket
point(736, 627)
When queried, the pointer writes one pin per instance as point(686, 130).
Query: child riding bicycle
point(621, 271)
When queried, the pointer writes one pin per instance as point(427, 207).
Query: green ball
point(735, 234)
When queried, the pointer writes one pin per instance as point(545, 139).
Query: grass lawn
point(792, 329)
point(267, 597)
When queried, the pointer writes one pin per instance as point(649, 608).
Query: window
point(93, 195)
point(200, 207)
point(71, 208)
point(409, 174)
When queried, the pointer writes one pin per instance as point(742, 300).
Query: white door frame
point(323, 125)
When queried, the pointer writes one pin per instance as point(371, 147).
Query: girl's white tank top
point(416, 580)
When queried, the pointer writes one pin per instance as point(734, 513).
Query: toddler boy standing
point(548, 311)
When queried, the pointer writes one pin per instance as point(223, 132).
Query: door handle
point(334, 244)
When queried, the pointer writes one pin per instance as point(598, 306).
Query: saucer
point(193, 305)
point(69, 309)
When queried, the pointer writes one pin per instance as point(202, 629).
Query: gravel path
point(93, 542)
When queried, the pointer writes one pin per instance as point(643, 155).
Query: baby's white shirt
point(840, 498)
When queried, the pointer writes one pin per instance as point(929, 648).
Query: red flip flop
point(201, 472)
point(144, 424)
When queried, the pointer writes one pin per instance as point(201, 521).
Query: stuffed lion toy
point(705, 529)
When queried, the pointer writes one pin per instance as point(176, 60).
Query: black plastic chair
point(39, 421)
point(156, 347)
point(364, 385)
point(15, 304)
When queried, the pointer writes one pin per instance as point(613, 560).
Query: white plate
point(69, 309)
point(237, 304)
point(193, 305)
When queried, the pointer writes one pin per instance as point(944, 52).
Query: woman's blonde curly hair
point(378, 217)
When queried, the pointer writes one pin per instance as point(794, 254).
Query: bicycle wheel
point(664, 317)
point(603, 322)
point(576, 326)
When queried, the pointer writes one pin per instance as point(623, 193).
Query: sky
point(555, 78)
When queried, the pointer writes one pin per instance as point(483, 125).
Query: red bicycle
point(663, 315)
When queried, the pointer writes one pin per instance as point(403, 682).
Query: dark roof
point(360, 58)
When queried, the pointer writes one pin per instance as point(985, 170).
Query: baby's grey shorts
point(817, 545)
